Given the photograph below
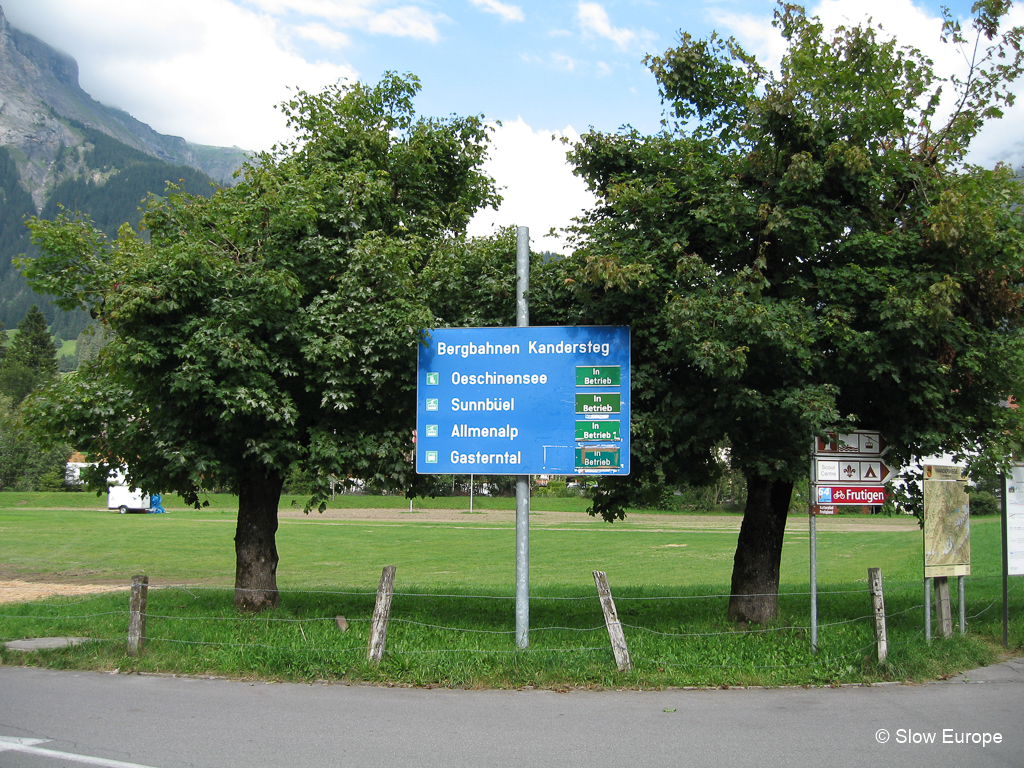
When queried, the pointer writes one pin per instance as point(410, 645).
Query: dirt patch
point(18, 591)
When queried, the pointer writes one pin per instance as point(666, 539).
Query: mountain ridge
point(60, 147)
point(40, 92)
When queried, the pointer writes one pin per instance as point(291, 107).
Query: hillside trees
point(30, 359)
point(802, 251)
point(277, 322)
point(23, 465)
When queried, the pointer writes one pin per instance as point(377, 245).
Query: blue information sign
point(524, 401)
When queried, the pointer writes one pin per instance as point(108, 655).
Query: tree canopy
point(805, 250)
point(276, 322)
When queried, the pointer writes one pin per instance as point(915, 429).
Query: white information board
point(1015, 521)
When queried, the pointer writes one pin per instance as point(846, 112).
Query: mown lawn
point(453, 616)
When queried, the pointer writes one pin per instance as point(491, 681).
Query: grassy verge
point(453, 617)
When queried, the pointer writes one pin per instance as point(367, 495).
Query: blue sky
point(212, 70)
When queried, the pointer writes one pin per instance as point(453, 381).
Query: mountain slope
point(39, 93)
point(60, 147)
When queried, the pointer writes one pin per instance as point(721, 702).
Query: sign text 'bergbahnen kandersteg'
point(518, 401)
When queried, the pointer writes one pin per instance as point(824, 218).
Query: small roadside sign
point(850, 494)
point(852, 471)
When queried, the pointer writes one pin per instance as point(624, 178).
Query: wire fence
point(675, 632)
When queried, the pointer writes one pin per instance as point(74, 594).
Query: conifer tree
point(33, 346)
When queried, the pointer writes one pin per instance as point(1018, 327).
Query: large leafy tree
point(805, 250)
point(277, 321)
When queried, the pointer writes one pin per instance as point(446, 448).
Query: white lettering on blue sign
point(490, 404)
point(561, 348)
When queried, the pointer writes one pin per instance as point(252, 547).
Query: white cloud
point(506, 12)
point(593, 18)
point(564, 62)
point(407, 21)
point(372, 16)
point(539, 189)
point(322, 35)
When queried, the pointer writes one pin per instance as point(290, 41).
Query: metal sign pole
point(522, 481)
point(812, 525)
point(1006, 564)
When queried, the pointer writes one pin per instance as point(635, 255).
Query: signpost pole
point(812, 524)
point(928, 610)
point(1006, 564)
point(522, 481)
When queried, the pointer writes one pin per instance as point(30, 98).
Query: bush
point(984, 503)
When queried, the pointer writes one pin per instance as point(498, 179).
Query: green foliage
point(983, 503)
point(30, 359)
point(33, 347)
point(18, 380)
point(275, 324)
point(805, 251)
point(24, 465)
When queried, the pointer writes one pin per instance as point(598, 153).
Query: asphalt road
point(50, 719)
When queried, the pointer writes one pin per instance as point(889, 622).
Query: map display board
point(1015, 521)
point(539, 400)
point(947, 528)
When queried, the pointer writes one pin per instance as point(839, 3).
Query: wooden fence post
point(611, 620)
point(137, 614)
point(381, 614)
point(878, 603)
point(943, 609)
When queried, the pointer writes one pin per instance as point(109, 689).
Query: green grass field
point(453, 617)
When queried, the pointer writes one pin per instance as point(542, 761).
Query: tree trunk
point(755, 571)
point(255, 546)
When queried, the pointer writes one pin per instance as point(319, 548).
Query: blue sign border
point(502, 401)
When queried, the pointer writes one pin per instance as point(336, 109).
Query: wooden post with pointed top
point(611, 620)
point(878, 603)
point(381, 614)
point(137, 614)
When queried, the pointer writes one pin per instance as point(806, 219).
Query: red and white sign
point(851, 494)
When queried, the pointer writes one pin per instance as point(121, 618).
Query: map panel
point(947, 531)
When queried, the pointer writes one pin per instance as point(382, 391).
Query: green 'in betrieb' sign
point(598, 430)
point(597, 458)
point(598, 403)
point(598, 376)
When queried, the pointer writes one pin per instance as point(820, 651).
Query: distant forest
point(109, 182)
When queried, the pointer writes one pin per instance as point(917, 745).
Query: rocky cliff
point(41, 102)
